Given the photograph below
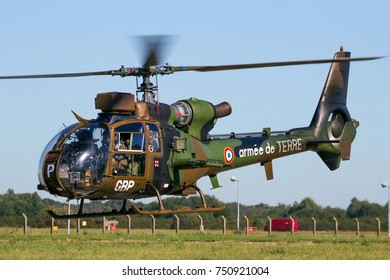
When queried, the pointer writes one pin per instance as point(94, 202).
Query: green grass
point(38, 244)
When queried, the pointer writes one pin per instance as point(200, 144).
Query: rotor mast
point(149, 91)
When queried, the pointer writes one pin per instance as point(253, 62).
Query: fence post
point(247, 225)
point(357, 227)
point(314, 225)
point(269, 225)
point(78, 226)
point(104, 225)
point(378, 226)
point(224, 225)
point(336, 226)
point(128, 224)
point(25, 224)
point(292, 225)
point(177, 223)
point(52, 225)
point(201, 227)
point(153, 224)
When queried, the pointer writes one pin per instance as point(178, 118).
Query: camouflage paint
point(188, 152)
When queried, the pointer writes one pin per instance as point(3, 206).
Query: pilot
point(122, 145)
point(84, 135)
point(87, 179)
point(119, 162)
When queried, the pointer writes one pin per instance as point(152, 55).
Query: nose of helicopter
point(74, 161)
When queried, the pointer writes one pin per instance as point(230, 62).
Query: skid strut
point(162, 210)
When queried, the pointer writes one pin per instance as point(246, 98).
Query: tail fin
point(332, 124)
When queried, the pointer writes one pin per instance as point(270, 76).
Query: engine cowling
point(197, 117)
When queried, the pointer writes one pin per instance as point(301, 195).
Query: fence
point(112, 224)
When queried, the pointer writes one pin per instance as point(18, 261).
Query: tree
point(357, 209)
point(12, 205)
point(306, 208)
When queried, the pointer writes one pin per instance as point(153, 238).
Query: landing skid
point(136, 210)
point(91, 215)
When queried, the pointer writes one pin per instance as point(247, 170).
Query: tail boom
point(330, 133)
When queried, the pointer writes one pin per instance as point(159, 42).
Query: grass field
point(38, 244)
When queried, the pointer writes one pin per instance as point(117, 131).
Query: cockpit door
point(135, 145)
point(129, 157)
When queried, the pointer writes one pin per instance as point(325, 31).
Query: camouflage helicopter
point(144, 148)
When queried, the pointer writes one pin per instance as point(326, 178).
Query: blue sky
point(75, 36)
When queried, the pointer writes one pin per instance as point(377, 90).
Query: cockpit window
point(48, 148)
point(129, 137)
point(84, 157)
point(92, 133)
point(129, 147)
point(154, 138)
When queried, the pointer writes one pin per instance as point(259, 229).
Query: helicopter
point(142, 148)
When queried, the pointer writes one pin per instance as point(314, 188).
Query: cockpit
point(84, 157)
point(79, 158)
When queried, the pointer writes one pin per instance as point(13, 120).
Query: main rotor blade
point(267, 64)
point(65, 75)
point(154, 48)
point(167, 69)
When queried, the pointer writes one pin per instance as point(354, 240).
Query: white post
point(68, 219)
point(388, 213)
point(234, 179)
point(386, 185)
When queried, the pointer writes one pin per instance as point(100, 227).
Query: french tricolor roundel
point(228, 155)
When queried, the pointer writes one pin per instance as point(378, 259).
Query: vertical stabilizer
point(333, 126)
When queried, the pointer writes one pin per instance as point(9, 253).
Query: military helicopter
point(144, 148)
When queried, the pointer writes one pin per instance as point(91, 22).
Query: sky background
point(77, 36)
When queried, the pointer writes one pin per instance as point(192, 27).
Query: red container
point(283, 224)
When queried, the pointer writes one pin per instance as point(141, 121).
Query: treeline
point(13, 205)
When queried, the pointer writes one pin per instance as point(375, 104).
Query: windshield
point(84, 157)
point(48, 148)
